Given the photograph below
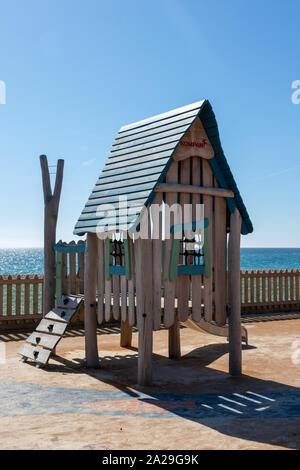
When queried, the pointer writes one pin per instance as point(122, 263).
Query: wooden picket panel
point(208, 213)
point(157, 260)
point(197, 281)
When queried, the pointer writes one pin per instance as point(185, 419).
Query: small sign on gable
point(195, 143)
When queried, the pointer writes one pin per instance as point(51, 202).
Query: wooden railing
point(262, 291)
point(270, 290)
point(21, 296)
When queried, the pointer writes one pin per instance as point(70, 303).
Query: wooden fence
point(270, 290)
point(21, 296)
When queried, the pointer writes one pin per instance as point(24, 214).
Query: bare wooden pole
point(143, 257)
point(90, 289)
point(235, 329)
point(51, 205)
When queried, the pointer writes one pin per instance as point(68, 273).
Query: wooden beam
point(143, 263)
point(51, 204)
point(235, 330)
point(90, 287)
point(189, 188)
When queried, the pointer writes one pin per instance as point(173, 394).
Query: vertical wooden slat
point(123, 282)
point(220, 240)
point(72, 274)
point(208, 213)
point(9, 296)
point(18, 295)
point(116, 296)
point(27, 296)
point(80, 274)
point(131, 286)
point(107, 297)
point(156, 213)
point(100, 282)
point(35, 296)
point(183, 281)
point(65, 287)
point(196, 280)
point(169, 286)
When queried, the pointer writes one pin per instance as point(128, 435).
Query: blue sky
point(75, 72)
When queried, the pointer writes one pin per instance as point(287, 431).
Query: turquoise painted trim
point(206, 252)
point(174, 259)
point(62, 248)
point(127, 259)
point(120, 270)
point(191, 269)
point(107, 259)
point(196, 225)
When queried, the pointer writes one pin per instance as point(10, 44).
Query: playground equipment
point(42, 342)
point(212, 328)
point(157, 222)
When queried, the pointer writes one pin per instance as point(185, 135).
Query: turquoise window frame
point(177, 269)
point(119, 270)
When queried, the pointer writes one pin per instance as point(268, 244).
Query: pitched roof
point(140, 158)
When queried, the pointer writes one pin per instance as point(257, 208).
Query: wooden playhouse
point(163, 226)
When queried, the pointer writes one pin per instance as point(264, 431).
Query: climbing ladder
point(41, 343)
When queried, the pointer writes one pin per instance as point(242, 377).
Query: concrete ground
point(193, 404)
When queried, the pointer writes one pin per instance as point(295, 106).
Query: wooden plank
point(9, 297)
point(196, 215)
point(39, 355)
point(51, 326)
point(27, 299)
point(80, 256)
point(189, 188)
point(208, 213)
point(169, 286)
point(60, 314)
point(123, 283)
point(143, 257)
point(1, 299)
point(43, 340)
point(107, 296)
point(152, 131)
point(156, 213)
point(235, 330)
point(116, 296)
point(101, 282)
point(183, 281)
point(90, 289)
point(18, 298)
point(64, 275)
point(72, 272)
point(131, 286)
point(220, 241)
point(69, 301)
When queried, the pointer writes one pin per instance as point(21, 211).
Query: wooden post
point(143, 258)
point(235, 330)
point(51, 202)
point(90, 288)
point(174, 339)
point(126, 334)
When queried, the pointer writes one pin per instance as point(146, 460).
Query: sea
point(30, 260)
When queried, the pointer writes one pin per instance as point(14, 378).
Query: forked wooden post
point(143, 257)
point(90, 288)
point(51, 204)
point(235, 331)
